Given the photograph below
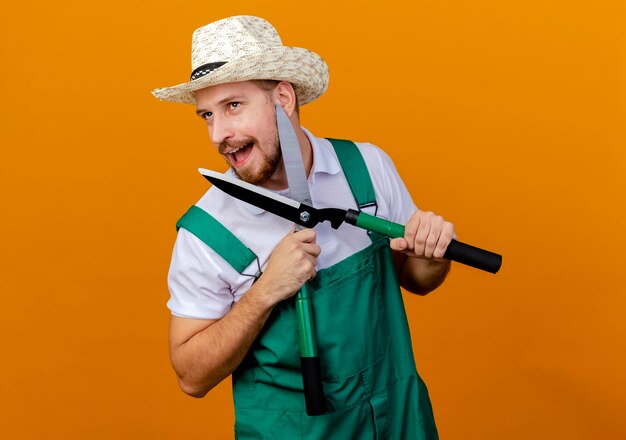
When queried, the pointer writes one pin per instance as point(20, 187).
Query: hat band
point(206, 68)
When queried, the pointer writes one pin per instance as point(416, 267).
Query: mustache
point(232, 144)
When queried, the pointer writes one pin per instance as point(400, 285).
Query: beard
point(269, 162)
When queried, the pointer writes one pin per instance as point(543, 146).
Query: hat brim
point(304, 69)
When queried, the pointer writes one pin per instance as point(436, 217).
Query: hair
point(268, 85)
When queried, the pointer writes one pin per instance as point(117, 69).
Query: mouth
point(239, 155)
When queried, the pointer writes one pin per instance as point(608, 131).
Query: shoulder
point(221, 206)
point(394, 201)
point(213, 200)
point(376, 159)
point(231, 224)
point(195, 225)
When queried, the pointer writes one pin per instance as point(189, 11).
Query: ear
point(285, 95)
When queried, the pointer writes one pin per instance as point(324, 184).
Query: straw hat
point(244, 48)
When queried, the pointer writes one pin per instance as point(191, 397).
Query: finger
point(309, 267)
point(311, 260)
point(306, 235)
point(410, 229)
point(431, 242)
point(303, 267)
point(420, 238)
point(312, 249)
point(442, 246)
point(433, 237)
point(447, 235)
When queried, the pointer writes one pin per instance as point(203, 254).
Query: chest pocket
point(350, 315)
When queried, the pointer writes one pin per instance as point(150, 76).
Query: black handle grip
point(313, 388)
point(473, 256)
point(457, 251)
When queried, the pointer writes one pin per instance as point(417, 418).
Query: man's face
point(241, 120)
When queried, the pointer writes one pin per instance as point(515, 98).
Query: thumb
point(398, 244)
point(291, 231)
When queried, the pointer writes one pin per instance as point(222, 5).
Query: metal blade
point(243, 184)
point(282, 206)
point(292, 157)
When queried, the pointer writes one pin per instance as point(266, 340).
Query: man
point(230, 317)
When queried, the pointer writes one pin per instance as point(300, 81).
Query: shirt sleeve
point(197, 280)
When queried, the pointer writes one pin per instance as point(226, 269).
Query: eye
point(234, 104)
point(206, 115)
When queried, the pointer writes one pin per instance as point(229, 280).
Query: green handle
point(309, 359)
point(379, 225)
point(304, 317)
point(456, 251)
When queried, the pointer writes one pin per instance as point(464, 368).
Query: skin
point(237, 113)
point(205, 352)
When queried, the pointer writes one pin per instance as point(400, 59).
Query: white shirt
point(202, 285)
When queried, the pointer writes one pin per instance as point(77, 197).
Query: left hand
point(426, 235)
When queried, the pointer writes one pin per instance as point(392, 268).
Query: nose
point(220, 130)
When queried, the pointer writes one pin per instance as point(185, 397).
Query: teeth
point(234, 151)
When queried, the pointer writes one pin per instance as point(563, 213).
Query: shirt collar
point(324, 161)
point(324, 158)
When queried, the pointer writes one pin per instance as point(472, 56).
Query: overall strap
point(356, 172)
point(215, 235)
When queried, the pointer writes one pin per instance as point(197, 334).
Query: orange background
point(505, 117)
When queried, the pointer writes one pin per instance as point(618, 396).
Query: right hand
point(291, 264)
